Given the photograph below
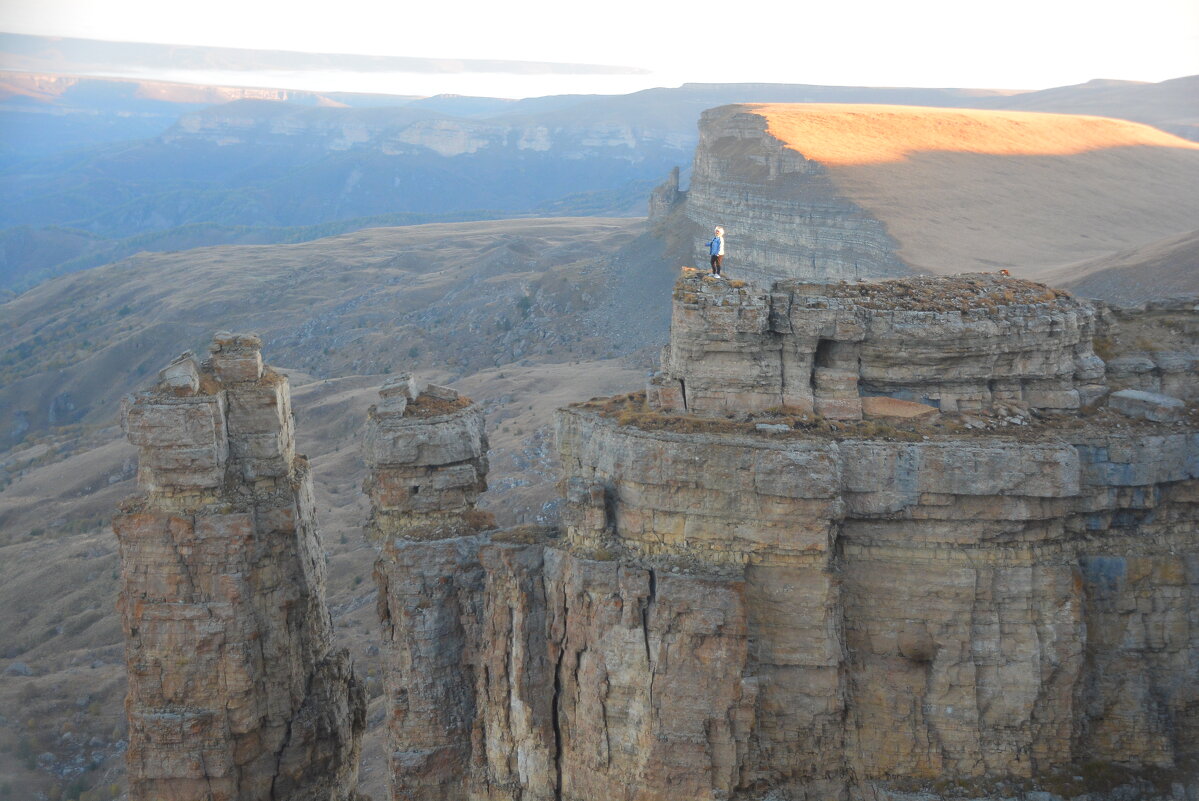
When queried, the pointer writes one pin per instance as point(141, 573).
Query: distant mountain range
point(94, 169)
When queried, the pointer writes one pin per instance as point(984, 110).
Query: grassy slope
point(1167, 268)
point(966, 190)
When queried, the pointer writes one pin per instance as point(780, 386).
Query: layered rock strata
point(235, 689)
point(950, 608)
point(751, 612)
point(961, 344)
point(426, 453)
point(784, 214)
point(518, 670)
point(427, 456)
point(1153, 347)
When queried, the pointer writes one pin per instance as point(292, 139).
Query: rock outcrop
point(784, 215)
point(235, 689)
point(752, 595)
point(427, 456)
point(960, 344)
point(854, 541)
point(947, 608)
point(1153, 347)
point(780, 606)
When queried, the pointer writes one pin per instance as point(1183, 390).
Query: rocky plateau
point(765, 590)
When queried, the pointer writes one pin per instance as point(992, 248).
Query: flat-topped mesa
point(823, 192)
point(235, 689)
point(426, 453)
point(958, 343)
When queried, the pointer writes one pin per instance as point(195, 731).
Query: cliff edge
point(979, 579)
point(827, 192)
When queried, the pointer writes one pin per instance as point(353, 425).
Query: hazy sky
point(1008, 44)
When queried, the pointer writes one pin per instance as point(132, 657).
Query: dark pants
point(716, 260)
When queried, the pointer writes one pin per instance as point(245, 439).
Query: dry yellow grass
point(836, 134)
point(964, 190)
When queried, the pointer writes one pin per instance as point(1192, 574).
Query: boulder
point(1147, 405)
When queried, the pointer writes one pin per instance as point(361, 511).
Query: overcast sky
point(1026, 44)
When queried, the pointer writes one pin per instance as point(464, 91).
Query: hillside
point(464, 296)
point(937, 190)
point(1170, 105)
point(1165, 269)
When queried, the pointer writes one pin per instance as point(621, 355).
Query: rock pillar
point(426, 453)
point(235, 689)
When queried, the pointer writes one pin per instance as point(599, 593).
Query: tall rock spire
point(235, 689)
point(426, 453)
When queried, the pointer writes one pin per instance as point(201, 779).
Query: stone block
point(182, 460)
point(271, 445)
point(835, 382)
point(435, 441)
point(1130, 365)
point(839, 408)
point(403, 386)
point(441, 393)
point(233, 368)
point(396, 392)
point(259, 409)
point(664, 393)
point(1052, 399)
point(800, 401)
point(194, 423)
point(1092, 393)
point(1147, 405)
point(181, 375)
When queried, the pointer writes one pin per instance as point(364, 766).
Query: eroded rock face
point(235, 690)
point(1153, 347)
point(745, 610)
point(520, 670)
point(523, 671)
point(427, 457)
point(784, 215)
point(968, 608)
point(960, 344)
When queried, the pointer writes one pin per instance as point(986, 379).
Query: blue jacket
point(716, 246)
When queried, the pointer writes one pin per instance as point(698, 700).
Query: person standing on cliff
point(716, 250)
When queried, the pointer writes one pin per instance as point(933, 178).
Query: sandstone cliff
point(960, 344)
point(993, 595)
point(826, 192)
point(855, 541)
point(235, 689)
